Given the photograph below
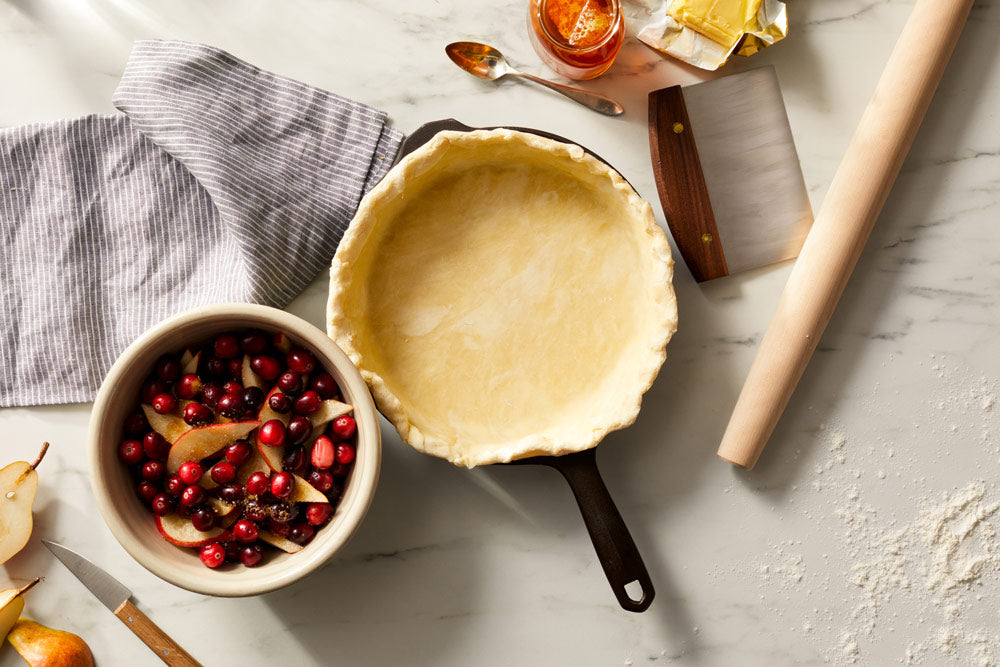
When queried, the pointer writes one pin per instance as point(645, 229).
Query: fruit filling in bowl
point(239, 445)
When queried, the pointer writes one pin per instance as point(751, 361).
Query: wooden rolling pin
point(857, 193)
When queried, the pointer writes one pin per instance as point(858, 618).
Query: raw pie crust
point(504, 296)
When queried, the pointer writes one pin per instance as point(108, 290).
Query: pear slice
point(304, 492)
point(328, 411)
point(202, 442)
point(255, 463)
point(271, 455)
point(250, 379)
point(41, 646)
point(189, 362)
point(282, 343)
point(170, 425)
point(11, 606)
point(180, 531)
point(221, 507)
point(282, 543)
point(18, 484)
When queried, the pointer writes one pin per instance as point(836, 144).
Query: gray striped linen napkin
point(216, 182)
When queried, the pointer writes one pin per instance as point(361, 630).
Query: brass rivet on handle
point(678, 128)
point(706, 238)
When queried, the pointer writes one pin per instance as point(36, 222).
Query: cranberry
point(318, 513)
point(307, 403)
point(235, 368)
point(238, 453)
point(130, 451)
point(183, 511)
point(203, 518)
point(253, 342)
point(245, 531)
point(301, 533)
point(258, 484)
point(155, 445)
point(299, 429)
point(290, 382)
point(189, 386)
point(282, 485)
point(267, 367)
point(146, 490)
point(278, 527)
point(344, 427)
point(164, 403)
point(175, 485)
point(190, 472)
point(211, 393)
point(163, 504)
point(321, 480)
point(152, 388)
point(254, 510)
point(153, 471)
point(213, 555)
point(231, 493)
point(233, 387)
point(226, 346)
point(231, 405)
point(280, 403)
point(197, 414)
point(168, 368)
point(294, 460)
point(233, 551)
point(340, 469)
point(323, 453)
point(250, 555)
point(272, 433)
point(345, 453)
point(300, 361)
point(253, 398)
point(283, 512)
point(216, 368)
point(193, 495)
point(135, 425)
point(324, 385)
point(223, 472)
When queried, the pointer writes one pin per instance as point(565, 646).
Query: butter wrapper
point(705, 33)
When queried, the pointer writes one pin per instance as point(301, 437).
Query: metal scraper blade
point(750, 166)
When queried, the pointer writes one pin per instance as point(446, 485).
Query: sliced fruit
point(170, 425)
point(11, 606)
point(18, 484)
point(221, 507)
point(328, 411)
point(278, 541)
point(204, 441)
point(304, 492)
point(250, 379)
point(180, 531)
point(189, 362)
point(282, 342)
point(272, 455)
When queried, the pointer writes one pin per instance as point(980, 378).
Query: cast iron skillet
point(614, 545)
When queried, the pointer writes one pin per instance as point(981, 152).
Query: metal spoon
point(488, 63)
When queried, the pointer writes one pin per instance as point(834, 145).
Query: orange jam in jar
point(576, 38)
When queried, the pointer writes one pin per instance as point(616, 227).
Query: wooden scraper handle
point(857, 193)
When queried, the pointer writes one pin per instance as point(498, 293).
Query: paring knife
point(117, 598)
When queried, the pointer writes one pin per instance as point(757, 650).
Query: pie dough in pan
point(505, 296)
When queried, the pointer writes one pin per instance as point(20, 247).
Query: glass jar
point(578, 39)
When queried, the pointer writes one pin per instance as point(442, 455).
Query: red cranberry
point(197, 414)
point(193, 495)
point(189, 386)
point(136, 425)
point(216, 368)
point(239, 452)
point(340, 469)
point(164, 403)
point(146, 490)
point(175, 485)
point(280, 403)
point(233, 551)
point(130, 451)
point(152, 388)
point(335, 490)
point(153, 471)
point(345, 453)
point(300, 361)
point(258, 484)
point(245, 531)
point(318, 513)
point(267, 367)
point(272, 433)
point(226, 346)
point(235, 368)
point(295, 460)
point(278, 527)
point(344, 427)
point(183, 511)
point(233, 387)
point(282, 485)
point(283, 512)
point(301, 533)
point(253, 510)
point(231, 493)
point(211, 393)
point(253, 342)
point(253, 398)
point(299, 429)
point(190, 472)
point(321, 480)
point(290, 382)
point(213, 555)
point(163, 504)
point(223, 472)
point(155, 445)
point(307, 403)
point(323, 453)
point(168, 368)
point(231, 405)
point(324, 385)
point(203, 518)
point(250, 555)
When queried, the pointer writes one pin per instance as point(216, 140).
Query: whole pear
point(41, 646)
point(18, 484)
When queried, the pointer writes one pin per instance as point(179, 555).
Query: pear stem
point(28, 587)
point(45, 448)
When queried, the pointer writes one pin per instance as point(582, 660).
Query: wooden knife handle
point(853, 202)
point(155, 638)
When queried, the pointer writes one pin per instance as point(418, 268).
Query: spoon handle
point(599, 103)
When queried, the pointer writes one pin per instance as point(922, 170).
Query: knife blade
point(117, 598)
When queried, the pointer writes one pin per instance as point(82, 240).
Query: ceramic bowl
point(132, 523)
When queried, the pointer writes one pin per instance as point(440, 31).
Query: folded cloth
point(217, 182)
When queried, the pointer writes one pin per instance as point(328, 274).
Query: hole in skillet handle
point(613, 543)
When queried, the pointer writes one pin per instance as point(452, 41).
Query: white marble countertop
point(824, 553)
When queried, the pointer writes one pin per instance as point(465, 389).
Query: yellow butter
point(722, 21)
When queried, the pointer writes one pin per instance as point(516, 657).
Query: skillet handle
point(615, 549)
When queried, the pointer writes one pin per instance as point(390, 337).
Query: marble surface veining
point(494, 566)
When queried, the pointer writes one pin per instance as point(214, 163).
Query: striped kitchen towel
point(216, 182)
